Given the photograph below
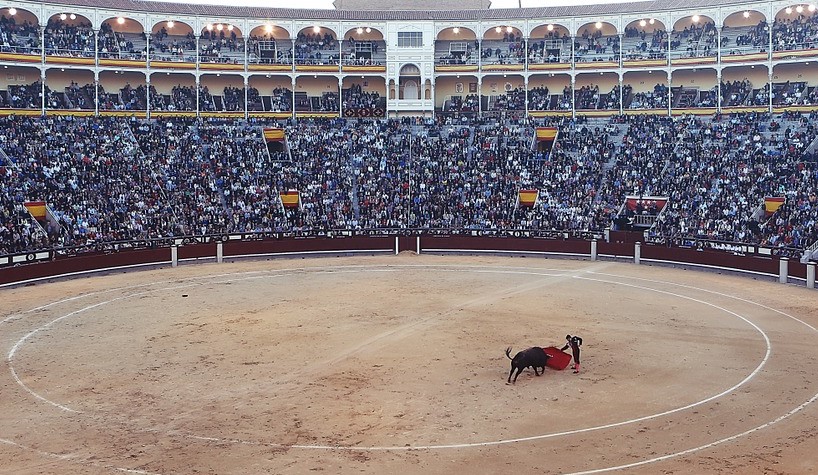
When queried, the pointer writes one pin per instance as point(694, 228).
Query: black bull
point(535, 357)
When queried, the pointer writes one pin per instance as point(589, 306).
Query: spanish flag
point(290, 199)
point(36, 209)
point(527, 197)
point(548, 134)
point(772, 203)
point(273, 134)
point(545, 138)
point(275, 140)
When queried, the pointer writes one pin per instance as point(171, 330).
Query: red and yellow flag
point(772, 203)
point(36, 209)
point(528, 197)
point(546, 134)
point(273, 134)
point(290, 198)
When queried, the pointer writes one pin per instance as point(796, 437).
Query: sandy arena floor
point(395, 365)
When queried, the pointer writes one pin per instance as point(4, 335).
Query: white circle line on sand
point(585, 429)
point(528, 271)
point(72, 458)
point(17, 345)
point(439, 446)
point(701, 447)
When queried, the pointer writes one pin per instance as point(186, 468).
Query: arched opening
point(273, 92)
point(789, 27)
point(795, 84)
point(317, 95)
point(550, 43)
point(597, 91)
point(503, 94)
point(363, 97)
point(69, 34)
point(645, 90)
point(457, 95)
point(23, 89)
point(597, 42)
point(22, 31)
point(317, 46)
point(693, 36)
point(409, 82)
point(644, 39)
point(745, 86)
point(502, 44)
point(744, 32)
point(221, 93)
point(122, 38)
point(270, 44)
point(363, 46)
point(221, 43)
point(173, 41)
point(456, 46)
point(122, 91)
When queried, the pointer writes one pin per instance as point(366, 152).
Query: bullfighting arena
point(395, 364)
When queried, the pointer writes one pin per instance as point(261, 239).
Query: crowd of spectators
point(267, 50)
point(539, 98)
point(551, 49)
point(750, 40)
point(281, 100)
point(167, 47)
point(470, 104)
point(18, 38)
point(697, 40)
point(594, 46)
point(508, 50)
point(800, 32)
point(356, 98)
point(133, 98)
point(216, 46)
point(736, 93)
point(80, 97)
point(233, 98)
point(88, 172)
point(25, 96)
point(513, 100)
point(364, 52)
point(316, 48)
point(111, 44)
point(62, 39)
point(111, 179)
point(182, 98)
point(640, 44)
point(586, 96)
point(656, 99)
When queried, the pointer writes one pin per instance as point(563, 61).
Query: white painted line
point(483, 269)
point(701, 447)
point(713, 267)
point(72, 458)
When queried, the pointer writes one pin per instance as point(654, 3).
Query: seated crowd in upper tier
point(112, 179)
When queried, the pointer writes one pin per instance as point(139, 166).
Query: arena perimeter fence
point(749, 259)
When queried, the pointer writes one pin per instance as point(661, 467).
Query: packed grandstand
point(209, 120)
